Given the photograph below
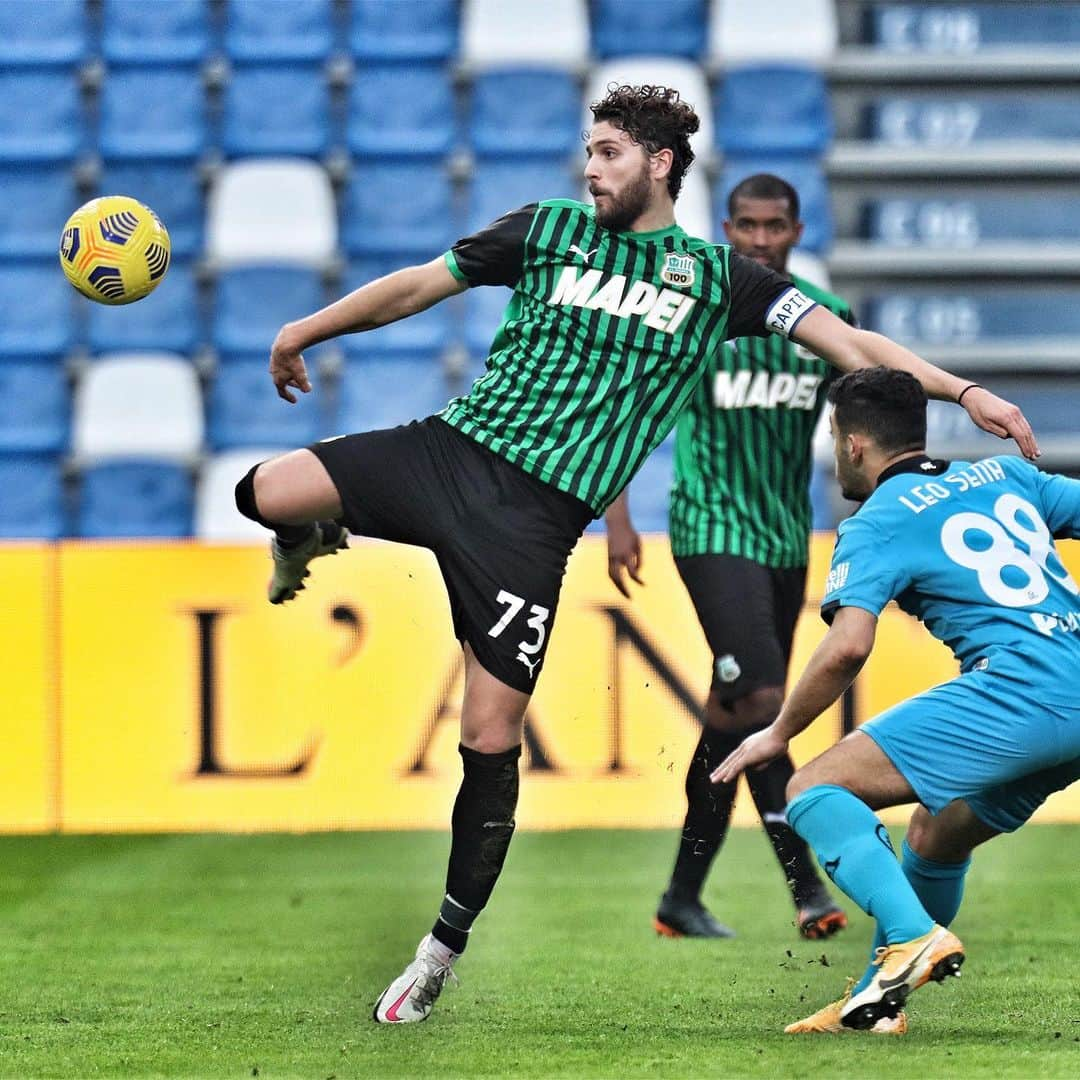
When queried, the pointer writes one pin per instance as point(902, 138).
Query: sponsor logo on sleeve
point(837, 578)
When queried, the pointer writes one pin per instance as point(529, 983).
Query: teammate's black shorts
point(501, 537)
point(748, 612)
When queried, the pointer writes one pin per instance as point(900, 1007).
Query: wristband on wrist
point(970, 386)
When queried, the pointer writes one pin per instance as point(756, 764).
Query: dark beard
point(626, 208)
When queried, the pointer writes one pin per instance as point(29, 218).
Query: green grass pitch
point(262, 956)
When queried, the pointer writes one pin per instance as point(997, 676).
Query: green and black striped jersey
point(744, 449)
point(603, 341)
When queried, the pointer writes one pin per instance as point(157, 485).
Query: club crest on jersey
point(678, 270)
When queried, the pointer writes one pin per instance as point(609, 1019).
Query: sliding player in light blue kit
point(968, 548)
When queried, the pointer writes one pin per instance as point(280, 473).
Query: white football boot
point(411, 996)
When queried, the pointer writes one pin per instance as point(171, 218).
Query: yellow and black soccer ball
point(114, 250)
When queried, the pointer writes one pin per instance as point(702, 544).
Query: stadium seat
point(804, 174)
point(40, 115)
point(811, 267)
point(524, 111)
point(138, 405)
point(253, 302)
point(216, 516)
point(35, 200)
point(381, 392)
point(276, 210)
point(137, 32)
point(298, 121)
point(974, 27)
point(152, 112)
point(650, 489)
point(169, 319)
point(243, 409)
point(377, 220)
point(684, 75)
point(752, 32)
point(135, 498)
point(33, 506)
point(497, 34)
point(498, 187)
point(779, 109)
point(38, 309)
point(963, 119)
point(268, 30)
point(401, 110)
point(39, 412)
point(36, 34)
point(429, 332)
point(969, 220)
point(404, 30)
point(172, 189)
point(620, 28)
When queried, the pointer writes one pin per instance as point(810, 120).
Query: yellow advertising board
point(155, 689)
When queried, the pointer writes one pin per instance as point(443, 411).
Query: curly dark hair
point(884, 403)
point(655, 118)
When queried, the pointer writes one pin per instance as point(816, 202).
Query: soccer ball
point(114, 250)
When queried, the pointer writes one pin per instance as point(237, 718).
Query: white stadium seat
point(272, 210)
point(138, 405)
point(216, 516)
point(498, 33)
point(753, 31)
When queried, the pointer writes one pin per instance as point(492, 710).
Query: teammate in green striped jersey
point(614, 314)
point(740, 527)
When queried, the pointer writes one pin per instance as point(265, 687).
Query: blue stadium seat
point(243, 409)
point(964, 316)
point(500, 186)
point(40, 115)
point(974, 27)
point(298, 123)
point(378, 391)
point(172, 189)
point(268, 30)
point(521, 111)
point(168, 320)
point(962, 119)
point(35, 200)
point(38, 309)
point(137, 498)
point(137, 32)
point(804, 174)
point(37, 34)
point(152, 112)
point(675, 28)
point(485, 306)
point(428, 332)
point(33, 506)
point(253, 302)
point(969, 220)
point(40, 412)
point(404, 30)
point(397, 208)
point(401, 110)
point(651, 487)
point(778, 109)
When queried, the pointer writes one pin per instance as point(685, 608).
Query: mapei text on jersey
point(663, 309)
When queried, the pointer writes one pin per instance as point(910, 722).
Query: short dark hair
point(763, 185)
point(886, 404)
point(657, 119)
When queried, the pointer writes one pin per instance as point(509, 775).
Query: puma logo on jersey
point(762, 390)
point(661, 309)
point(530, 664)
point(586, 255)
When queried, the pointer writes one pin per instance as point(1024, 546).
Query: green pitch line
point(219, 956)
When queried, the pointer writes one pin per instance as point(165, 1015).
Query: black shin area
point(245, 503)
point(482, 826)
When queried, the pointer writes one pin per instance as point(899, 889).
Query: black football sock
point(481, 826)
point(767, 786)
point(708, 814)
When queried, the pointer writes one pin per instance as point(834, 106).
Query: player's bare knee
point(797, 784)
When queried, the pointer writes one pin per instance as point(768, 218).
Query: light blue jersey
point(968, 548)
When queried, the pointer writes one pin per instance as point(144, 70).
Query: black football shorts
point(748, 612)
point(501, 537)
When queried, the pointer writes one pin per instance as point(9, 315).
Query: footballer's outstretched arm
point(384, 300)
point(849, 348)
point(829, 672)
